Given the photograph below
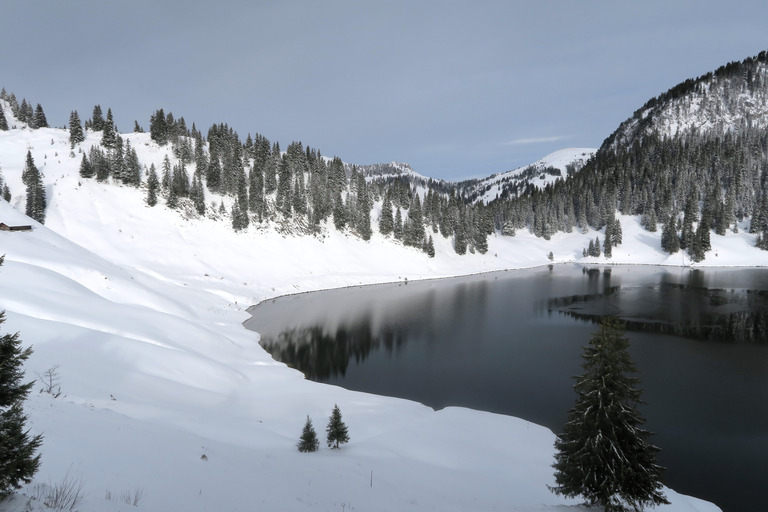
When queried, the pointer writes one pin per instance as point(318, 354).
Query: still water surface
point(510, 342)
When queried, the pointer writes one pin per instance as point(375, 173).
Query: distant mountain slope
point(733, 98)
point(559, 164)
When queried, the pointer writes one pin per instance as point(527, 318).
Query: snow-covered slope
point(734, 97)
point(553, 166)
point(163, 389)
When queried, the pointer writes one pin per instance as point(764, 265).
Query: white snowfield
point(165, 392)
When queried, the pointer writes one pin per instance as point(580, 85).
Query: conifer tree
point(398, 227)
point(18, 458)
point(152, 186)
point(308, 441)
point(669, 239)
point(3, 121)
point(617, 233)
point(430, 247)
point(86, 170)
point(26, 114)
point(339, 213)
point(604, 455)
point(76, 134)
point(158, 129)
point(97, 119)
point(256, 191)
point(40, 120)
point(607, 245)
point(109, 138)
point(33, 179)
point(336, 431)
point(386, 222)
point(197, 194)
point(213, 175)
point(131, 166)
point(100, 164)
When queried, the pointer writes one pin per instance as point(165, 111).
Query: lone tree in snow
point(308, 441)
point(18, 461)
point(336, 431)
point(603, 454)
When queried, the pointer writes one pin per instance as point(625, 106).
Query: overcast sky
point(456, 89)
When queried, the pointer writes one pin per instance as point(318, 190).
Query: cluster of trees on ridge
point(685, 184)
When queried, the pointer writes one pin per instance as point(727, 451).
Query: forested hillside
point(691, 162)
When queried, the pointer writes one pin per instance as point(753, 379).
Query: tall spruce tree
point(40, 119)
point(109, 137)
point(386, 222)
point(336, 431)
point(97, 119)
point(33, 179)
point(3, 121)
point(18, 458)
point(153, 184)
point(604, 455)
point(76, 134)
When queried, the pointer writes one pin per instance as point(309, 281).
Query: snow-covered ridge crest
point(733, 98)
point(557, 165)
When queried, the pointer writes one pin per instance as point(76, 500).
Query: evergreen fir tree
point(336, 431)
point(152, 186)
point(26, 114)
point(86, 170)
point(76, 134)
point(108, 138)
point(308, 441)
point(386, 222)
point(18, 458)
point(213, 175)
point(604, 455)
point(617, 233)
point(3, 121)
point(197, 194)
point(40, 120)
point(669, 239)
point(240, 218)
point(460, 238)
point(6, 192)
point(398, 227)
point(158, 129)
point(33, 179)
point(131, 166)
point(339, 213)
point(97, 119)
point(430, 247)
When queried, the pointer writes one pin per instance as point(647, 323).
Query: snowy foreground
point(164, 392)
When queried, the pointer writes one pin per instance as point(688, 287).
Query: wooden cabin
point(6, 227)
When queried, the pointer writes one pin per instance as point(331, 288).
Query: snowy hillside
point(734, 97)
point(553, 166)
point(164, 391)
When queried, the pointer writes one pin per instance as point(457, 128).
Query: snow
point(560, 160)
point(163, 390)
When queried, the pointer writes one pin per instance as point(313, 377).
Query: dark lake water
point(510, 342)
